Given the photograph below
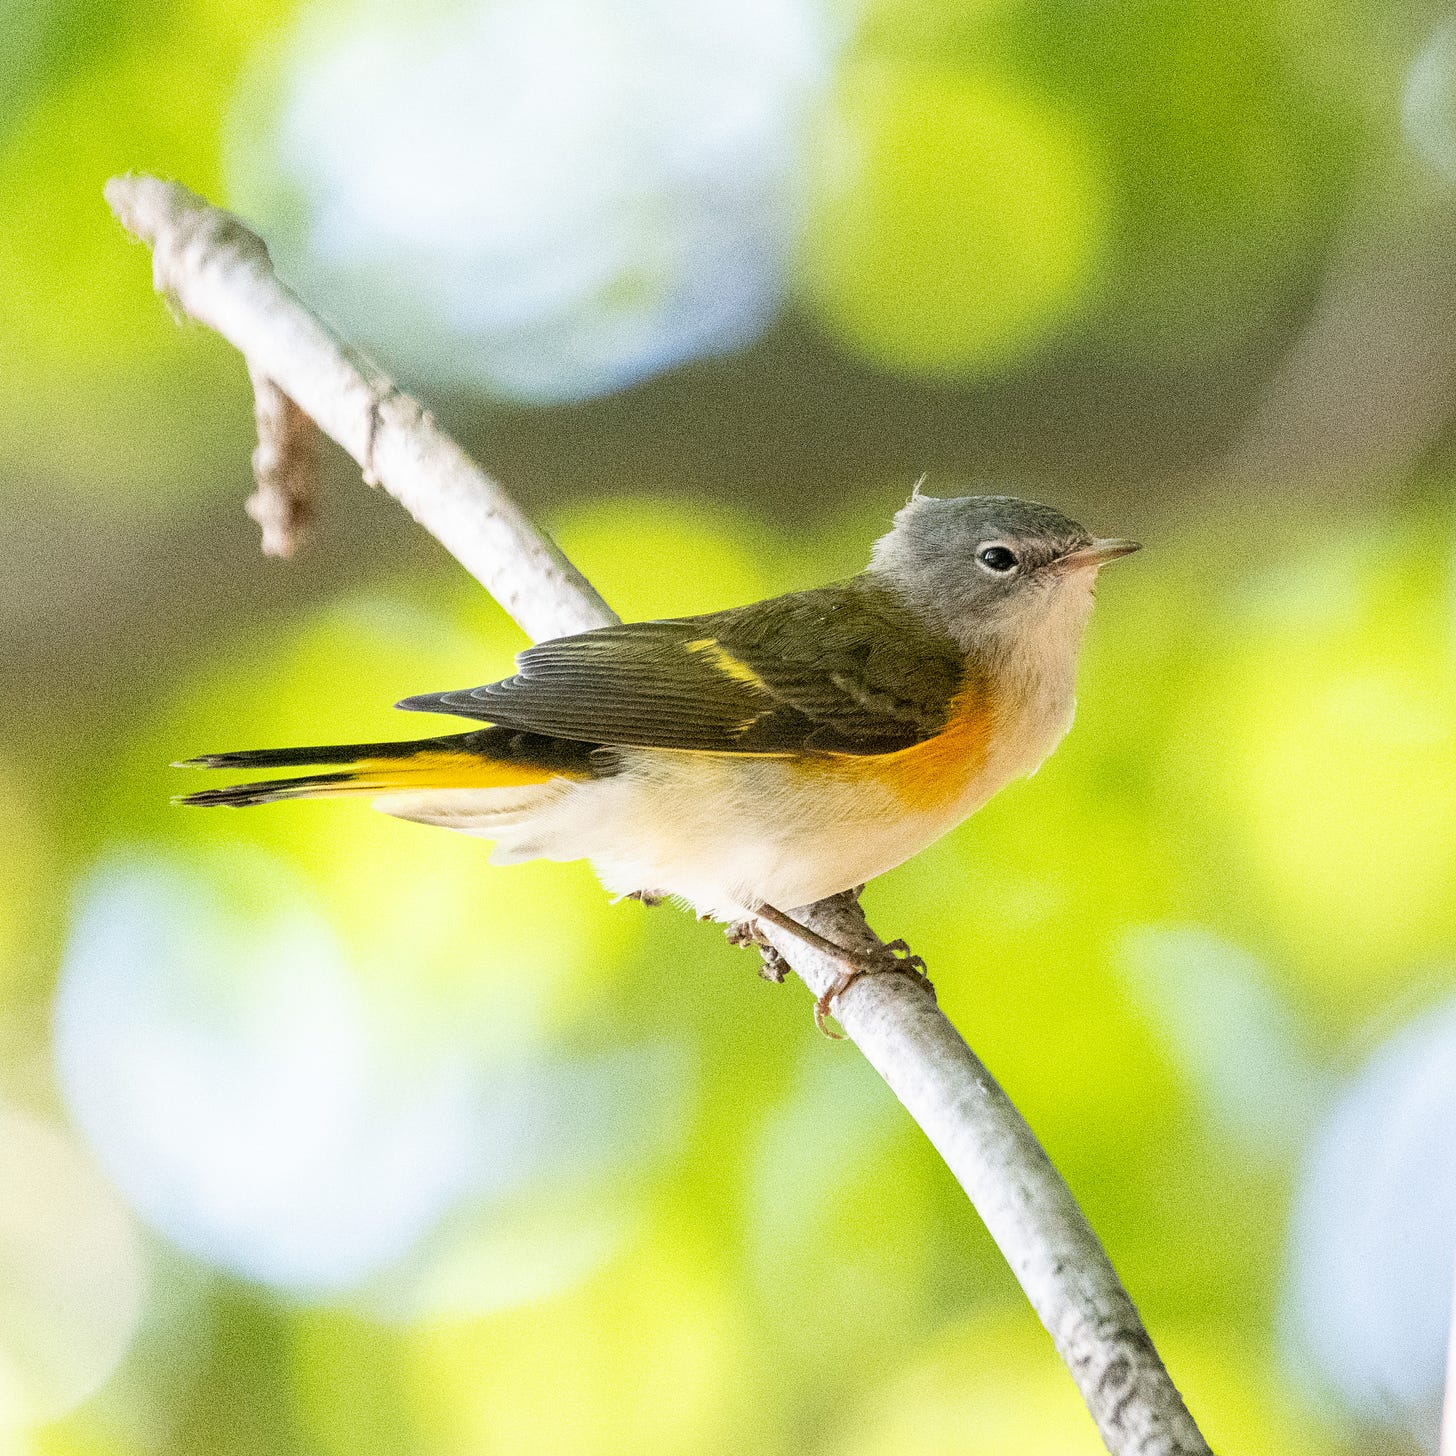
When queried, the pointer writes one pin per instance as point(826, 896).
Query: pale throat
point(1033, 659)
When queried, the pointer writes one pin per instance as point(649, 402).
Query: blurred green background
point(317, 1135)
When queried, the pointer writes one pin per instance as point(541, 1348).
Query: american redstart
point(760, 758)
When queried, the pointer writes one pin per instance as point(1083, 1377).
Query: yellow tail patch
point(427, 769)
point(442, 769)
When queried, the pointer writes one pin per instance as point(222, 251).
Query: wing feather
point(840, 669)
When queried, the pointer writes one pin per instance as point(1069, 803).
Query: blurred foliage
point(320, 1135)
point(911, 258)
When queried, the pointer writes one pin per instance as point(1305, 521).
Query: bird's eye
point(999, 559)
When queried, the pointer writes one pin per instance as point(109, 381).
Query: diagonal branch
point(218, 271)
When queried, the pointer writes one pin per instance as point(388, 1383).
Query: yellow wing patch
point(725, 661)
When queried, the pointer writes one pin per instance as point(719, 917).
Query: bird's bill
point(1099, 553)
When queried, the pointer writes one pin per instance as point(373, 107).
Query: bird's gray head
point(990, 568)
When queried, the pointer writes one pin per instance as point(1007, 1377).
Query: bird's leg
point(899, 959)
point(647, 897)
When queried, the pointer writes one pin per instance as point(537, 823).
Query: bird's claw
point(774, 967)
point(838, 986)
point(907, 963)
point(895, 958)
point(898, 959)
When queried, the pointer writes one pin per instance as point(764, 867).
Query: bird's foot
point(645, 897)
point(746, 933)
point(907, 963)
point(894, 958)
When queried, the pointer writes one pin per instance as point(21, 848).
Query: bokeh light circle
point(73, 1279)
point(219, 1058)
point(548, 199)
point(1371, 1231)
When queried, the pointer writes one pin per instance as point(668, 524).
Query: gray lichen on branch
point(218, 271)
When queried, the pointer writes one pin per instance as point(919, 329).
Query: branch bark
point(218, 272)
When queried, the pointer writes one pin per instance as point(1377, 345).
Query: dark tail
point(489, 758)
point(371, 768)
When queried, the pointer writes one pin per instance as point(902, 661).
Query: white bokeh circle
point(548, 199)
point(72, 1273)
point(1368, 1295)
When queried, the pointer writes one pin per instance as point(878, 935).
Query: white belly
point(731, 834)
point(723, 833)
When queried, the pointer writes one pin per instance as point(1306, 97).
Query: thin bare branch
point(1022, 1199)
point(218, 272)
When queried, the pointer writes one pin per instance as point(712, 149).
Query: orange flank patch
point(935, 773)
point(445, 770)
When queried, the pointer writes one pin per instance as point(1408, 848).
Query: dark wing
point(840, 669)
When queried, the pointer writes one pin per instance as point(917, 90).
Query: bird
point(752, 761)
